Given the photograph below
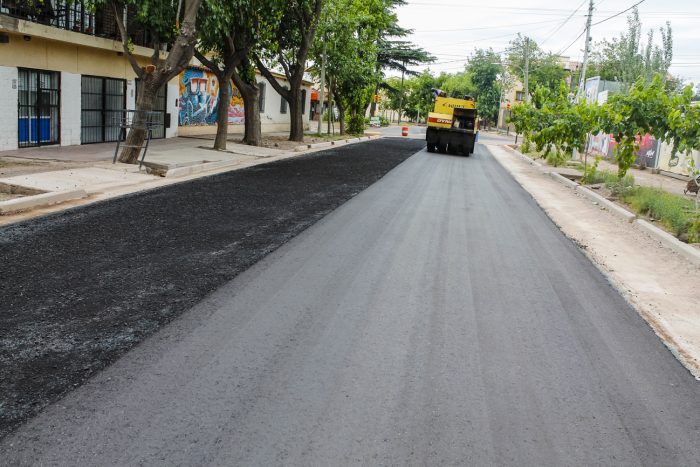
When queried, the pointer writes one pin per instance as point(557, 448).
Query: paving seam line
point(26, 203)
point(195, 172)
point(672, 344)
point(327, 144)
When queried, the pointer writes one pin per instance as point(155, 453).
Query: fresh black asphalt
point(81, 287)
point(437, 318)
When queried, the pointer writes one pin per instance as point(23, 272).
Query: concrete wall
point(8, 104)
point(70, 108)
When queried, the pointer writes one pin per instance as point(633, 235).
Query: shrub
point(675, 212)
point(356, 125)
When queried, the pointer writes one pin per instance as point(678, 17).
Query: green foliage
point(645, 109)
point(675, 212)
point(349, 36)
point(627, 59)
point(591, 174)
point(555, 124)
point(484, 70)
point(356, 125)
point(545, 69)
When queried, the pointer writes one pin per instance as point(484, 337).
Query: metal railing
point(76, 16)
point(146, 121)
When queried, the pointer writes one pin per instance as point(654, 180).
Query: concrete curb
point(527, 159)
point(337, 142)
point(37, 201)
point(563, 180)
point(199, 168)
point(607, 204)
point(668, 240)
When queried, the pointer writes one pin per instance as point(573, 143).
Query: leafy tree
point(419, 95)
point(645, 109)
point(394, 53)
point(547, 72)
point(166, 24)
point(459, 84)
point(484, 69)
point(626, 58)
point(349, 43)
point(544, 69)
point(229, 33)
point(287, 42)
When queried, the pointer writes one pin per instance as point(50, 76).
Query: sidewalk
point(89, 174)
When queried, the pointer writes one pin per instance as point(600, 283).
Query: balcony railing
point(75, 16)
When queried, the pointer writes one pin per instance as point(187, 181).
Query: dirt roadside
point(660, 284)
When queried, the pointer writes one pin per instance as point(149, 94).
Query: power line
point(562, 24)
point(618, 14)
point(572, 42)
point(487, 27)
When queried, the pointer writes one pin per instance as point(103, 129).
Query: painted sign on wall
point(199, 99)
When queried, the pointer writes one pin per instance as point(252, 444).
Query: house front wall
point(198, 95)
point(86, 56)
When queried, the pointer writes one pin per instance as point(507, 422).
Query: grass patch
point(609, 179)
point(676, 213)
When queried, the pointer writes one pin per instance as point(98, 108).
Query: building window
point(283, 104)
point(303, 101)
point(38, 107)
point(519, 95)
point(261, 100)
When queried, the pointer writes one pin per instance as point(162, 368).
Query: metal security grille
point(101, 101)
point(38, 107)
point(160, 106)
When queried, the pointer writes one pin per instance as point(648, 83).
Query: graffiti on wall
point(199, 99)
point(604, 145)
point(682, 164)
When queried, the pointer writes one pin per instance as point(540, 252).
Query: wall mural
point(604, 145)
point(199, 99)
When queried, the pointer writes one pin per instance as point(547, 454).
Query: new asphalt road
point(437, 318)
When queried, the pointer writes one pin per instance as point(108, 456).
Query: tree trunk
point(137, 134)
point(157, 74)
point(373, 105)
point(251, 107)
point(222, 112)
point(296, 117)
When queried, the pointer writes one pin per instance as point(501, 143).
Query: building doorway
point(39, 107)
point(101, 101)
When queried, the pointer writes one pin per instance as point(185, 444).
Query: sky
point(452, 29)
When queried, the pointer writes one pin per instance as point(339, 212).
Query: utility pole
point(527, 68)
point(403, 69)
point(582, 80)
point(323, 85)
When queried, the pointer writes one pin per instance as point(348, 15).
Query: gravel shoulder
point(660, 284)
point(83, 286)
